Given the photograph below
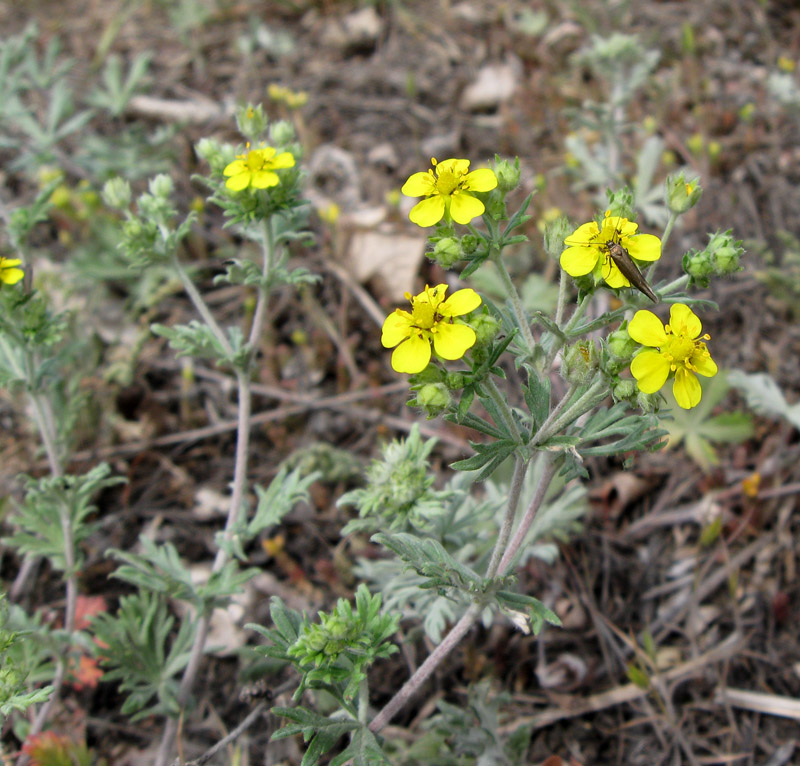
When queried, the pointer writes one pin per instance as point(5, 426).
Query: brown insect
point(629, 269)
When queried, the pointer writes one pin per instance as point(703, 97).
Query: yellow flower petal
point(650, 370)
point(584, 234)
point(464, 207)
point(283, 160)
point(686, 389)
point(451, 341)
point(427, 212)
point(579, 260)
point(703, 363)
point(234, 168)
point(646, 328)
point(419, 185)
point(396, 328)
point(460, 302)
point(643, 247)
point(264, 179)
point(481, 180)
point(238, 182)
point(412, 355)
point(9, 273)
point(613, 276)
point(683, 321)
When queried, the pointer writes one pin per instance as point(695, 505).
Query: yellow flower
point(587, 249)
point(430, 320)
point(9, 273)
point(446, 188)
point(257, 168)
point(679, 350)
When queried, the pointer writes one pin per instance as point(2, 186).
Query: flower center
point(679, 348)
point(255, 160)
point(424, 314)
point(447, 182)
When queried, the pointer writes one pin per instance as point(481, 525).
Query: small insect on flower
point(674, 349)
point(431, 320)
point(257, 168)
point(610, 250)
point(10, 274)
point(447, 188)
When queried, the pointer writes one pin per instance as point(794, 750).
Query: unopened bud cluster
point(719, 258)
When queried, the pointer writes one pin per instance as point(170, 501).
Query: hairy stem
point(517, 480)
point(423, 672)
point(673, 216)
point(202, 306)
point(237, 505)
point(548, 470)
point(501, 403)
point(516, 303)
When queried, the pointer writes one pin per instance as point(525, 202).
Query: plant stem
point(201, 306)
point(517, 480)
point(548, 470)
point(516, 303)
point(434, 659)
point(673, 216)
point(676, 284)
point(562, 297)
point(501, 403)
point(237, 505)
point(583, 404)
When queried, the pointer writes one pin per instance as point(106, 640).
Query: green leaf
point(698, 430)
point(764, 397)
point(53, 504)
point(429, 559)
point(323, 732)
point(139, 653)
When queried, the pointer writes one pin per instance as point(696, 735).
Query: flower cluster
point(678, 350)
point(588, 249)
point(447, 188)
point(256, 168)
point(431, 320)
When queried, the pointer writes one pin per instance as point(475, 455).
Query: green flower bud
point(620, 344)
point(580, 362)
point(507, 174)
point(431, 374)
point(161, 186)
point(211, 151)
point(486, 326)
point(251, 121)
point(447, 252)
point(495, 206)
point(433, 399)
point(621, 202)
point(469, 244)
point(454, 381)
point(720, 258)
point(697, 264)
point(624, 389)
point(117, 193)
point(555, 232)
point(281, 133)
point(648, 402)
point(681, 195)
point(725, 253)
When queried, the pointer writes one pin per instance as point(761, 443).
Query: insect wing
point(629, 270)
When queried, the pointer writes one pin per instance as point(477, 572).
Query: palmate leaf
point(430, 560)
point(698, 429)
point(322, 731)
